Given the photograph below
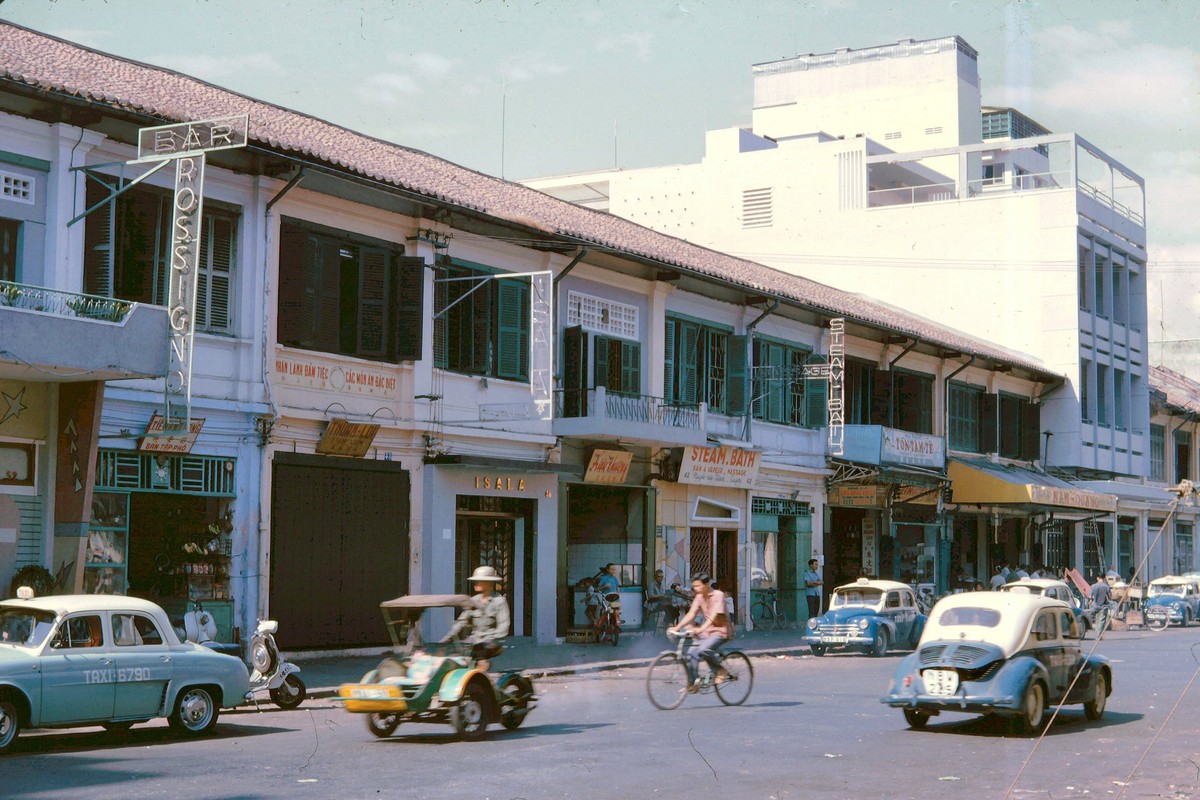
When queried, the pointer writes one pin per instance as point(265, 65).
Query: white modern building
point(881, 171)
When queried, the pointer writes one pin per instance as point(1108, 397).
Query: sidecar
point(434, 682)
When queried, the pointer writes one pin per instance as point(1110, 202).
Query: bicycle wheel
point(762, 614)
point(781, 621)
point(666, 682)
point(734, 690)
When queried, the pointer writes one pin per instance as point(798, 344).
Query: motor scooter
point(270, 671)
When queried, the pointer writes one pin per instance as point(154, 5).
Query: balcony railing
point(63, 304)
point(601, 403)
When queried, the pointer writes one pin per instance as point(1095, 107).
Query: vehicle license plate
point(370, 693)
point(942, 682)
point(836, 639)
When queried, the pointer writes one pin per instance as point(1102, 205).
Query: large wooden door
point(339, 547)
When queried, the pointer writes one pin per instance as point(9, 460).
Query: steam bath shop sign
point(720, 466)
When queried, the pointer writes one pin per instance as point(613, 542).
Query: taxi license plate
point(941, 682)
point(370, 693)
point(836, 639)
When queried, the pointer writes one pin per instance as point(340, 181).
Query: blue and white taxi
point(867, 614)
point(1000, 653)
point(70, 660)
point(1172, 598)
point(1055, 590)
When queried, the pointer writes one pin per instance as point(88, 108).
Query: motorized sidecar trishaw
point(434, 682)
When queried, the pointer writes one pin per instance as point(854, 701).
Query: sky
point(522, 88)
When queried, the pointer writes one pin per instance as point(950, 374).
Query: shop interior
point(606, 525)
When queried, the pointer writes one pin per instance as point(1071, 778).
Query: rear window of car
point(969, 615)
point(131, 630)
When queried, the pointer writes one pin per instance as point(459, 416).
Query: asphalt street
point(813, 727)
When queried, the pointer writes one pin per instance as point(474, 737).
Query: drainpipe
point(749, 377)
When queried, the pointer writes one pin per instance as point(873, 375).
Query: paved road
point(812, 728)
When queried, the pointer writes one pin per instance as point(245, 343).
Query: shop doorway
point(496, 532)
point(843, 546)
point(715, 552)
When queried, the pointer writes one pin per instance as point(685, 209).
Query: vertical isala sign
point(185, 143)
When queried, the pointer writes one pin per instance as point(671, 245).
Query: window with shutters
point(965, 407)
point(1158, 453)
point(618, 365)
point(780, 392)
point(859, 392)
point(485, 330)
point(348, 295)
point(10, 237)
point(912, 406)
point(1019, 427)
point(127, 252)
point(696, 368)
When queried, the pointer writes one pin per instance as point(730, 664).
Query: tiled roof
point(53, 65)
point(1181, 391)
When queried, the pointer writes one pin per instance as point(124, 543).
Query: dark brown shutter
point(410, 308)
point(1031, 418)
point(329, 296)
point(575, 364)
point(373, 292)
point(989, 422)
point(299, 264)
point(881, 396)
point(98, 243)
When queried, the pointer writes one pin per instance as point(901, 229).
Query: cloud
point(388, 88)
point(639, 42)
point(216, 69)
point(425, 64)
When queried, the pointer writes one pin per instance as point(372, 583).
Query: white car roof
point(886, 586)
point(1042, 583)
point(1016, 609)
point(70, 603)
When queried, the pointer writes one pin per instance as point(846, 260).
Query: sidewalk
point(322, 675)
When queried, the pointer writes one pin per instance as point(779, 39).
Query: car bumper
point(1160, 612)
point(838, 641)
point(963, 700)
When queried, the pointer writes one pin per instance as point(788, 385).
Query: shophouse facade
point(404, 369)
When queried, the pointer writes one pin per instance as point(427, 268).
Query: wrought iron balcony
point(601, 414)
point(51, 335)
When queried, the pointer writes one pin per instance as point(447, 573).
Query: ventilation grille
point(602, 316)
point(16, 187)
point(933, 131)
point(783, 508)
point(757, 208)
point(892, 135)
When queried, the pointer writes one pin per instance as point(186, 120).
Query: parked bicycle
point(766, 611)
point(669, 676)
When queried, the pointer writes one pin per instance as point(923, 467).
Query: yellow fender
point(455, 683)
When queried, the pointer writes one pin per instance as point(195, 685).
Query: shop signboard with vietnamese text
point(608, 466)
point(344, 438)
point(720, 466)
point(869, 566)
point(155, 440)
point(312, 373)
point(913, 449)
point(847, 495)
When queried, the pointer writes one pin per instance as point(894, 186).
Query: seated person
point(485, 624)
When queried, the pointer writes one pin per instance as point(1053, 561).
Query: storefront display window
point(105, 565)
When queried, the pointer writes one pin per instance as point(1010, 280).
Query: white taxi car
point(69, 660)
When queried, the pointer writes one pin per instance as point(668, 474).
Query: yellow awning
point(984, 483)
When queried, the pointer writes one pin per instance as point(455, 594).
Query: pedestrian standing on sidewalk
point(812, 588)
point(1100, 604)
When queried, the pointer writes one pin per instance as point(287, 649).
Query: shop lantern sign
point(186, 144)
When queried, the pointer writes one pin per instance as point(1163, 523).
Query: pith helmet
point(484, 574)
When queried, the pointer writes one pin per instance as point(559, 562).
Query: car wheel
point(10, 724)
point(382, 725)
point(817, 649)
point(915, 719)
point(880, 646)
point(290, 693)
point(195, 712)
point(469, 717)
point(1093, 709)
point(1033, 708)
point(517, 693)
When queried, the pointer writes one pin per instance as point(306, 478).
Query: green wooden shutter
point(739, 375)
point(476, 347)
point(689, 361)
point(669, 378)
point(631, 368)
point(218, 255)
point(758, 386)
point(409, 317)
point(881, 397)
point(600, 362)
point(512, 345)
point(989, 422)
point(816, 402)
point(797, 388)
point(776, 386)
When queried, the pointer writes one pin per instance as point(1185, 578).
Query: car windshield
point(1176, 589)
point(856, 596)
point(24, 627)
point(969, 615)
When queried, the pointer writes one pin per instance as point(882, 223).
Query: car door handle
point(164, 658)
point(106, 661)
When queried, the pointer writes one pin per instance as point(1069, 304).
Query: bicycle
point(669, 676)
point(766, 611)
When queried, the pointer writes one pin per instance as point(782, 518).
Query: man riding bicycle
point(710, 634)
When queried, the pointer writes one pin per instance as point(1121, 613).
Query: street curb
point(325, 692)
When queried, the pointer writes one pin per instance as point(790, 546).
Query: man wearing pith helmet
point(485, 624)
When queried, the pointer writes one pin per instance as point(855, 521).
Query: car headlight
point(812, 623)
point(863, 623)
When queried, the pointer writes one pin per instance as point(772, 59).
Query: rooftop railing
point(63, 304)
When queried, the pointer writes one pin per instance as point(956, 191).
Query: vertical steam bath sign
point(186, 143)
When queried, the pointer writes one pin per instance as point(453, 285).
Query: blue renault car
point(1171, 598)
point(867, 615)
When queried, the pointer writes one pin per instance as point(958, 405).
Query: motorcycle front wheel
point(290, 693)
point(383, 725)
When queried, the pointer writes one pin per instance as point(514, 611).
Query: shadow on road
point(995, 726)
point(526, 732)
point(43, 742)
